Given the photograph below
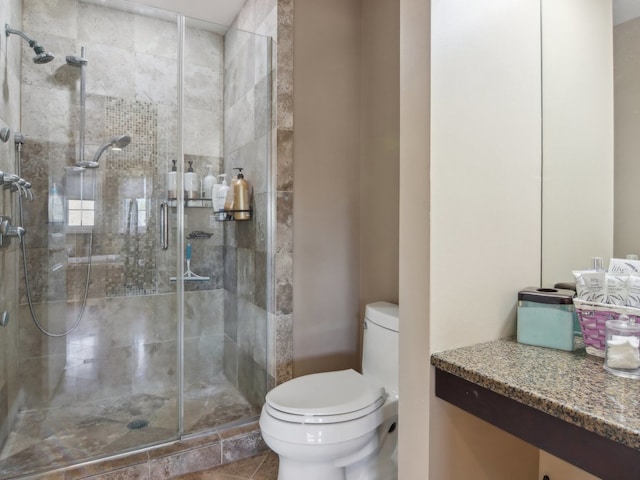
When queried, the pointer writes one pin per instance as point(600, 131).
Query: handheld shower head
point(76, 61)
point(116, 143)
point(119, 142)
point(42, 56)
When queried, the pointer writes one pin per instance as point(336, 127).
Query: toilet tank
point(380, 345)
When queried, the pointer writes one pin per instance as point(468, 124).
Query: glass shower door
point(115, 342)
point(226, 126)
point(94, 339)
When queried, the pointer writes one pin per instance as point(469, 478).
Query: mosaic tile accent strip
point(130, 183)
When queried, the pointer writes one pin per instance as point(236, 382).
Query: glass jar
point(622, 349)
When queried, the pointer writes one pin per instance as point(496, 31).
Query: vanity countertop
point(570, 386)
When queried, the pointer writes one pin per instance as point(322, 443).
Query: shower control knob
point(7, 231)
point(4, 319)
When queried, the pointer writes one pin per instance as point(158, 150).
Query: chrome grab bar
point(164, 225)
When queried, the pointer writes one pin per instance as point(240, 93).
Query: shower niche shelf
point(192, 203)
point(229, 217)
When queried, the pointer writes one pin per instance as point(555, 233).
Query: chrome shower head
point(42, 56)
point(116, 143)
point(119, 142)
point(75, 61)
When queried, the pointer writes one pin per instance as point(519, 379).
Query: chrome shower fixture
point(116, 143)
point(76, 61)
point(42, 56)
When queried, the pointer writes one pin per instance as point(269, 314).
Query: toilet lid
point(321, 394)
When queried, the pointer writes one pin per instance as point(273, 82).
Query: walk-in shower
point(121, 357)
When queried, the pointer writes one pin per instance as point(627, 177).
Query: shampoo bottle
point(56, 205)
point(171, 182)
point(219, 197)
point(241, 197)
point(191, 183)
point(208, 182)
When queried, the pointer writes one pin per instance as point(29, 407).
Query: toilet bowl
point(340, 425)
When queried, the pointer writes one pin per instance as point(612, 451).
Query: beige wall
point(346, 174)
point(415, 78)
point(557, 468)
point(326, 211)
point(380, 162)
point(485, 208)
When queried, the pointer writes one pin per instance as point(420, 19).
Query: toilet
point(341, 425)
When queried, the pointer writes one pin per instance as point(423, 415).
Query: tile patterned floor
point(260, 467)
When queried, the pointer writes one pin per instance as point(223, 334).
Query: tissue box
point(547, 318)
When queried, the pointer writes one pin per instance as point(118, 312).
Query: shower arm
point(10, 30)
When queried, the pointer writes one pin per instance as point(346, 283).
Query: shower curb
point(189, 455)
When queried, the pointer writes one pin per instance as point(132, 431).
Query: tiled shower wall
point(11, 13)
point(131, 88)
point(263, 17)
point(125, 253)
point(275, 18)
point(247, 142)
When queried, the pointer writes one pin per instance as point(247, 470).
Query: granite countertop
point(571, 386)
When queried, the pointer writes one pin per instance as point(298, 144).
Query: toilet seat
point(329, 397)
point(324, 419)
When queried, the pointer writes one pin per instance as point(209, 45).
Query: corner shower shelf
point(229, 217)
point(208, 204)
point(200, 203)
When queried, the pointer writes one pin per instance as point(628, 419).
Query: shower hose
point(26, 271)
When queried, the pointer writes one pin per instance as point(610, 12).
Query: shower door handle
point(164, 225)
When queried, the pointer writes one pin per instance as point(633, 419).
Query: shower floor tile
point(47, 439)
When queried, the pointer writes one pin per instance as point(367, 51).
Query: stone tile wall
point(274, 18)
point(131, 88)
point(10, 53)
point(247, 145)
point(136, 80)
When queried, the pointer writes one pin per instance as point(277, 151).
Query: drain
point(136, 424)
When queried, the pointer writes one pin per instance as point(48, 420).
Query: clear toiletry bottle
point(191, 184)
point(219, 197)
point(171, 182)
point(208, 182)
point(56, 205)
point(597, 264)
point(241, 197)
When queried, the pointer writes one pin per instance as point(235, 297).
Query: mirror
point(578, 137)
point(626, 68)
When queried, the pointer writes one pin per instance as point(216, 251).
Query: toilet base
point(382, 464)
point(376, 460)
point(291, 469)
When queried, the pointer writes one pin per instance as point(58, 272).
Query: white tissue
point(623, 352)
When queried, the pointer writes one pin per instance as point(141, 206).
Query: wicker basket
point(593, 322)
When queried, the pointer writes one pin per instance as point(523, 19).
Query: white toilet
point(341, 425)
